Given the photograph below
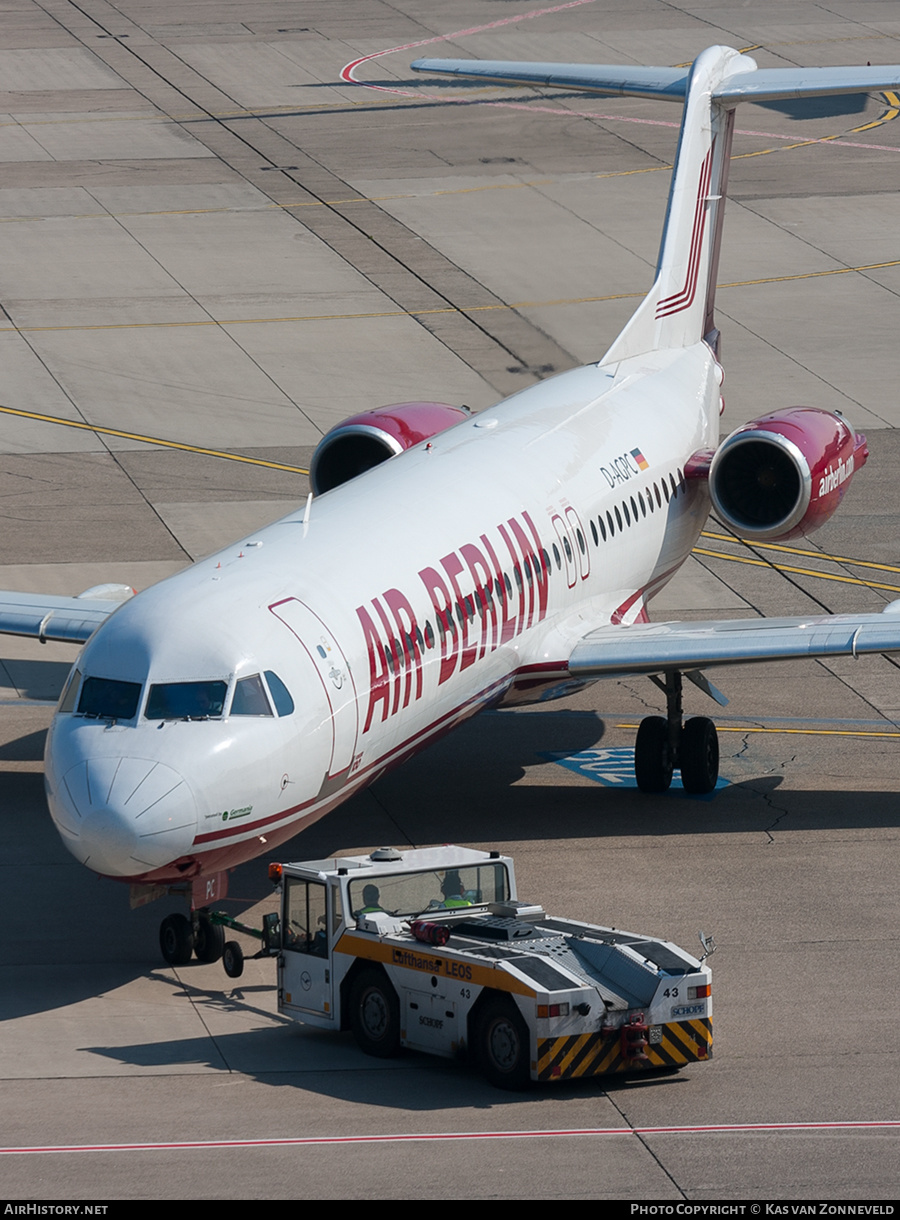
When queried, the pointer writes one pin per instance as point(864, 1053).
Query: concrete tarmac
point(210, 239)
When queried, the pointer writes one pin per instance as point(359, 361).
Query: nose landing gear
point(180, 937)
point(203, 936)
point(664, 743)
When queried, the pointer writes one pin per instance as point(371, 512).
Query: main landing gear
point(666, 742)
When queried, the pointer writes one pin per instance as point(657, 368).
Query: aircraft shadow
point(835, 107)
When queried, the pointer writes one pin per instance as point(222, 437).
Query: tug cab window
point(410, 894)
point(305, 924)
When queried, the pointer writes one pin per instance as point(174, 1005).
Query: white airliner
point(218, 713)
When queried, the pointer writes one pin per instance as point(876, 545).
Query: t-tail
point(678, 311)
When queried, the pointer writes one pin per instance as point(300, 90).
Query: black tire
point(375, 1015)
point(699, 755)
point(233, 959)
point(209, 941)
point(176, 940)
point(652, 763)
point(502, 1045)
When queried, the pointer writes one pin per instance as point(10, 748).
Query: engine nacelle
point(366, 440)
point(785, 473)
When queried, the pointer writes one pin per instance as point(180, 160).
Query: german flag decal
point(672, 1045)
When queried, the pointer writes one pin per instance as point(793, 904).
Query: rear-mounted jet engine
point(367, 440)
point(784, 474)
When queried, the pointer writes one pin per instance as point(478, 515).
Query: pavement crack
point(642, 1139)
point(780, 812)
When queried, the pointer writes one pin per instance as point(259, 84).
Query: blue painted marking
point(614, 768)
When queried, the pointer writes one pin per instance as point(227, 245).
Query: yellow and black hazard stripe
point(578, 1055)
point(595, 1054)
point(682, 1042)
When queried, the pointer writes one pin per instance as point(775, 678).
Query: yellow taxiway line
point(422, 313)
point(800, 732)
point(150, 440)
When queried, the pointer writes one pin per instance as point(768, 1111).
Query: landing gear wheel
point(652, 764)
point(209, 940)
point(176, 940)
point(233, 959)
point(375, 1015)
point(502, 1045)
point(699, 755)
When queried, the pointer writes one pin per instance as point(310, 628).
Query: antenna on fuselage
point(306, 513)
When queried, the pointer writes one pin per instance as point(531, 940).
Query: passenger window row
point(637, 506)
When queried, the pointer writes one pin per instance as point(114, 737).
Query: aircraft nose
point(124, 816)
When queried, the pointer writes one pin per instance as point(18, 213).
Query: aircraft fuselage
point(267, 683)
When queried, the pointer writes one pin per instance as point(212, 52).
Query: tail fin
point(679, 308)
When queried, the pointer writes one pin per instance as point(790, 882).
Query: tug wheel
point(375, 1015)
point(503, 1045)
point(233, 959)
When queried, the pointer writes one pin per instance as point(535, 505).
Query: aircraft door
point(567, 548)
point(334, 672)
point(579, 544)
point(306, 976)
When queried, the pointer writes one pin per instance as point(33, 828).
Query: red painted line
point(348, 69)
point(440, 1136)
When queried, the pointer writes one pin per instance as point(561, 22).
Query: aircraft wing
point(72, 620)
point(652, 648)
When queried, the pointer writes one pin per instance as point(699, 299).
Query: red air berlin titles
point(469, 624)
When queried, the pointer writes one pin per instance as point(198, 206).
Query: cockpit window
point(281, 696)
point(185, 700)
point(250, 698)
point(108, 698)
point(70, 691)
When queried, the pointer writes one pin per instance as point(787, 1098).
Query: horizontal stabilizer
point(586, 78)
point(748, 84)
point(775, 84)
